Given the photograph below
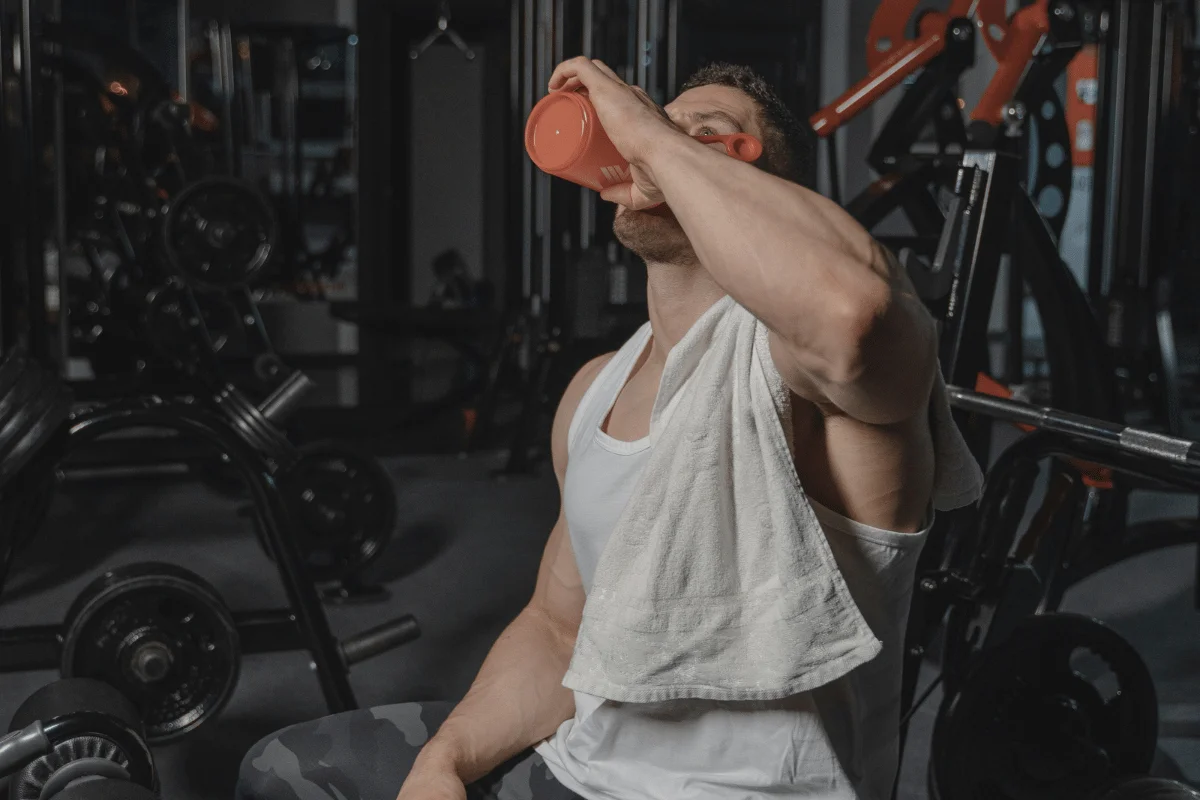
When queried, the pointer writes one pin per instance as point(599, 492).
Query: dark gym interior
point(286, 310)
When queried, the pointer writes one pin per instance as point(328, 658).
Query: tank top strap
point(600, 396)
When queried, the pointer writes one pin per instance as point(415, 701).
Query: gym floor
point(464, 562)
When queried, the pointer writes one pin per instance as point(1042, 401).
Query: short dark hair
point(787, 145)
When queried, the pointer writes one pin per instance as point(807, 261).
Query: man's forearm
point(796, 260)
point(516, 701)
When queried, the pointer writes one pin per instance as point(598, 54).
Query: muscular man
point(858, 351)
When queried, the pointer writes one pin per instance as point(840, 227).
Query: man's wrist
point(440, 754)
point(663, 144)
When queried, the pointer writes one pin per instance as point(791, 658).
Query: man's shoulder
point(576, 389)
point(583, 380)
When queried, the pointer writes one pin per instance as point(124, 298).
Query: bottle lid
point(556, 132)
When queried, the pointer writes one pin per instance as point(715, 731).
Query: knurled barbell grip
point(380, 639)
point(280, 404)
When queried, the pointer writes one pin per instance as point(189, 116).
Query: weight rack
point(302, 625)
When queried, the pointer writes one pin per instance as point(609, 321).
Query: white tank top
point(839, 741)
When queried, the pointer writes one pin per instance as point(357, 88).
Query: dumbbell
point(262, 425)
point(77, 739)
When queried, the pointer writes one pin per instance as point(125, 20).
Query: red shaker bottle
point(564, 138)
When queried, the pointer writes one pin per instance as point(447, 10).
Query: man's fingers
point(621, 194)
point(580, 68)
point(628, 195)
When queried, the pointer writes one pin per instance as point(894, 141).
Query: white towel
point(717, 582)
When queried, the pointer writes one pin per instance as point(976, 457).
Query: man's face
point(655, 234)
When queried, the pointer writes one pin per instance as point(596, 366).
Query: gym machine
point(1005, 663)
point(156, 631)
point(1145, 129)
point(1038, 702)
point(1019, 113)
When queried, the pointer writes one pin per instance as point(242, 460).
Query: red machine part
point(892, 56)
point(889, 31)
point(1025, 35)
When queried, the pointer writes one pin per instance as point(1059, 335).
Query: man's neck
point(677, 295)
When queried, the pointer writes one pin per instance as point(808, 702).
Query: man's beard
point(654, 235)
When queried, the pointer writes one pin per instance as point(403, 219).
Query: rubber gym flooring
point(464, 562)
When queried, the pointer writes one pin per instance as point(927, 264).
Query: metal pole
point(587, 199)
point(225, 38)
point(35, 257)
point(544, 187)
point(528, 43)
point(672, 46)
point(642, 53)
point(654, 35)
point(60, 202)
point(1115, 145)
point(181, 33)
point(1170, 449)
point(1155, 88)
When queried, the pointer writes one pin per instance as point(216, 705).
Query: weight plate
point(343, 509)
point(11, 368)
point(1056, 712)
point(23, 406)
point(163, 637)
point(55, 406)
point(258, 431)
point(219, 232)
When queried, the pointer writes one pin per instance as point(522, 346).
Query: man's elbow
point(888, 352)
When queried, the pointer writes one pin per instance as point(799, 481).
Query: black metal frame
point(1130, 264)
point(989, 212)
point(302, 625)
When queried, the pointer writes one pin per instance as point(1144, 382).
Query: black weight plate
point(56, 405)
point(24, 378)
point(71, 695)
point(1056, 712)
point(219, 233)
point(22, 407)
point(258, 431)
point(343, 509)
point(163, 637)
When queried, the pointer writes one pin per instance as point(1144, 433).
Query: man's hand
point(630, 118)
point(432, 779)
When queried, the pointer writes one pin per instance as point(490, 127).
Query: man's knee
point(357, 754)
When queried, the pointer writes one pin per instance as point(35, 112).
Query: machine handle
point(1028, 31)
point(286, 397)
point(901, 63)
point(380, 639)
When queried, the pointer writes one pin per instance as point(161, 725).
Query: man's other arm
point(517, 699)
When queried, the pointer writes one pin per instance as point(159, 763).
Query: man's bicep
point(559, 594)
